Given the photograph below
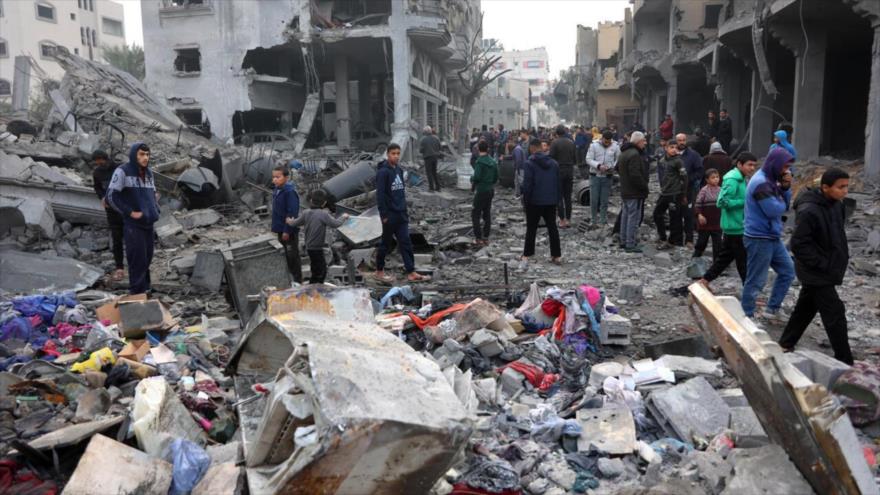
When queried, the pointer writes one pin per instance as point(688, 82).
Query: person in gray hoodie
point(315, 221)
point(602, 157)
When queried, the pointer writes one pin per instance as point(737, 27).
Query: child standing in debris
point(540, 191)
point(285, 204)
point(708, 216)
point(821, 256)
point(101, 177)
point(316, 219)
point(484, 179)
point(391, 201)
point(673, 198)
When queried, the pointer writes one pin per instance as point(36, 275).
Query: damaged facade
point(278, 66)
point(813, 65)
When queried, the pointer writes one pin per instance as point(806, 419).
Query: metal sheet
point(363, 228)
point(30, 273)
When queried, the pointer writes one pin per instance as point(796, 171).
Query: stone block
point(487, 343)
point(92, 404)
point(611, 468)
point(184, 265)
point(734, 397)
point(108, 466)
point(691, 409)
point(422, 259)
point(746, 427)
point(610, 430)
point(199, 218)
point(820, 368)
point(663, 260)
point(599, 372)
point(765, 469)
point(615, 330)
point(686, 366)
point(631, 291)
point(221, 479)
point(512, 381)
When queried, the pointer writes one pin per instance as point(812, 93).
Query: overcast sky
point(519, 24)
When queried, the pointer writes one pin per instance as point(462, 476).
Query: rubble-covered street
point(454, 368)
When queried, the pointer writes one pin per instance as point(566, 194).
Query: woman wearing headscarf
point(767, 197)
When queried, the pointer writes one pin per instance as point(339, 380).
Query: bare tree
point(475, 76)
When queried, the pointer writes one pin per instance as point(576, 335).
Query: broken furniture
point(251, 265)
point(798, 414)
point(353, 409)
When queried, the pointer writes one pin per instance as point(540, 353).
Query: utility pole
point(529, 126)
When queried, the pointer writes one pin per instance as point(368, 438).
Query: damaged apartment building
point(812, 64)
point(269, 71)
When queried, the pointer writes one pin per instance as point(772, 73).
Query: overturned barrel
point(358, 179)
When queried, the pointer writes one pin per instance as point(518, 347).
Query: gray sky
point(523, 24)
point(519, 24)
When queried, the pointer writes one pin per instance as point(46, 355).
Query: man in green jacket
point(732, 201)
point(484, 179)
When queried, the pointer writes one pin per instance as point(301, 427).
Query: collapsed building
point(278, 65)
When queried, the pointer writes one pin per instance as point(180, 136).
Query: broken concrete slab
point(132, 470)
point(615, 330)
point(74, 434)
point(692, 409)
point(765, 469)
point(599, 372)
point(199, 218)
point(33, 273)
point(631, 291)
point(693, 345)
point(818, 367)
point(483, 314)
point(487, 343)
point(687, 367)
point(167, 226)
point(746, 427)
point(610, 430)
point(92, 404)
point(33, 213)
point(158, 417)
point(221, 479)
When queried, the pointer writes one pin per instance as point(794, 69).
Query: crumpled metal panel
point(31, 273)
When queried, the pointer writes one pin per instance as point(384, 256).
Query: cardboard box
point(110, 311)
point(135, 350)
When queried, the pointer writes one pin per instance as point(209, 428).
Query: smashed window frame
point(47, 49)
point(5, 88)
point(188, 61)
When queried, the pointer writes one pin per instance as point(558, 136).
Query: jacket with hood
point(129, 192)
point(633, 177)
point(599, 155)
point(674, 176)
point(765, 200)
point(563, 150)
point(429, 146)
point(693, 163)
point(285, 204)
point(315, 222)
point(732, 201)
point(541, 181)
point(485, 174)
point(783, 143)
point(390, 191)
point(819, 243)
point(718, 160)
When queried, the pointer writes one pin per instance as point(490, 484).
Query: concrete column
point(809, 88)
point(424, 112)
point(343, 119)
point(364, 100)
point(21, 84)
point(762, 119)
point(872, 129)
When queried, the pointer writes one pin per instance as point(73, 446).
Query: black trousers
point(114, 220)
point(139, 245)
point(665, 203)
point(688, 214)
point(703, 237)
point(732, 249)
point(482, 209)
point(566, 184)
point(431, 171)
point(827, 303)
point(291, 252)
point(318, 265)
point(534, 214)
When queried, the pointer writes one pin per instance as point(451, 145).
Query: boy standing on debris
point(708, 216)
point(821, 256)
point(429, 147)
point(541, 196)
point(133, 194)
point(101, 177)
point(484, 179)
point(732, 201)
point(767, 198)
point(391, 201)
point(285, 204)
point(316, 219)
point(673, 198)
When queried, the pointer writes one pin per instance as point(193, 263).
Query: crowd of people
point(704, 195)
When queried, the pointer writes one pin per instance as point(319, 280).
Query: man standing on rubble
point(633, 190)
point(101, 178)
point(285, 204)
point(391, 201)
point(725, 130)
point(520, 155)
point(133, 194)
point(540, 191)
point(564, 152)
point(693, 163)
point(821, 257)
point(429, 147)
point(602, 158)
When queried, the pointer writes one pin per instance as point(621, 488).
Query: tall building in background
point(35, 27)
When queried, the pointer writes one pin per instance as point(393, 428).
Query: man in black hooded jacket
point(821, 256)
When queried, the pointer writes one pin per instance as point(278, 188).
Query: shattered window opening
point(47, 49)
point(5, 88)
point(45, 12)
point(188, 61)
point(712, 12)
point(82, 35)
point(112, 27)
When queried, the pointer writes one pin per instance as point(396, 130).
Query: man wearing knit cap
point(633, 189)
point(717, 159)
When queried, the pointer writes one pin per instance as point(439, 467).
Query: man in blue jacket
point(391, 201)
point(540, 190)
point(693, 163)
point(133, 194)
point(285, 204)
point(767, 197)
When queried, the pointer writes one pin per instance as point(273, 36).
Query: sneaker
point(777, 317)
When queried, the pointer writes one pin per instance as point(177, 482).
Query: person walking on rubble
point(767, 197)
point(602, 157)
point(673, 198)
point(484, 179)
point(540, 191)
point(285, 204)
point(564, 152)
point(708, 216)
point(315, 221)
point(132, 193)
point(633, 189)
point(732, 201)
point(101, 177)
point(693, 163)
point(429, 147)
point(391, 201)
point(821, 256)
